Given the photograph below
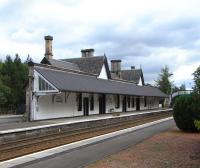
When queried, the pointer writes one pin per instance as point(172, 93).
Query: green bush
point(197, 124)
point(186, 112)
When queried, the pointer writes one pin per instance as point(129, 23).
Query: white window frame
point(36, 84)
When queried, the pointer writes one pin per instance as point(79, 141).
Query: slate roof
point(68, 81)
point(88, 64)
point(132, 75)
point(61, 64)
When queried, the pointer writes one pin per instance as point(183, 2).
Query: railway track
point(9, 150)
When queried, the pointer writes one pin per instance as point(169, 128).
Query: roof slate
point(132, 75)
point(64, 64)
point(68, 81)
point(60, 64)
point(88, 64)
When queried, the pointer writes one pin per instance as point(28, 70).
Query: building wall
point(49, 108)
point(140, 82)
point(65, 105)
point(103, 74)
point(132, 108)
point(110, 104)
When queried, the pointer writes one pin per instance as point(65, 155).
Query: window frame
point(92, 102)
point(133, 102)
point(44, 85)
point(117, 101)
point(145, 101)
point(79, 101)
point(129, 101)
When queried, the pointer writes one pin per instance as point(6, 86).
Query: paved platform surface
point(85, 155)
point(53, 122)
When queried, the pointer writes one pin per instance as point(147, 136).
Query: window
point(145, 101)
point(117, 101)
point(133, 101)
point(129, 101)
point(92, 102)
point(79, 100)
point(43, 85)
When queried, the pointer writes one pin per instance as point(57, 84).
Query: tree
point(182, 87)
point(163, 82)
point(5, 93)
point(176, 88)
point(197, 80)
point(13, 76)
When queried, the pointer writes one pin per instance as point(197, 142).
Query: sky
point(148, 34)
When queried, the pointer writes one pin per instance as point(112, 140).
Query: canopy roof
point(75, 82)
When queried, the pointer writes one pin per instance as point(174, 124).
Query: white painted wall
point(110, 104)
point(103, 74)
point(140, 82)
point(52, 109)
point(44, 108)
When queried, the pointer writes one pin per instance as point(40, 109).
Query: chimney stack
point(48, 47)
point(132, 67)
point(116, 67)
point(87, 52)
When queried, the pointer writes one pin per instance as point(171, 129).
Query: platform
point(25, 126)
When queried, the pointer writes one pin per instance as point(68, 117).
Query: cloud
point(149, 33)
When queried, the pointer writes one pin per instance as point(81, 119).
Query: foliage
point(197, 80)
point(5, 93)
point(197, 124)
point(181, 88)
point(186, 111)
point(163, 82)
point(13, 75)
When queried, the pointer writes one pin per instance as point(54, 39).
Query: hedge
point(186, 112)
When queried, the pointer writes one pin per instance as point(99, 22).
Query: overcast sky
point(150, 33)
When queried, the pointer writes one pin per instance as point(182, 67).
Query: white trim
point(37, 80)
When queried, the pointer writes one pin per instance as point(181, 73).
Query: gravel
point(171, 149)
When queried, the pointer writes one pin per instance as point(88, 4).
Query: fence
point(184, 92)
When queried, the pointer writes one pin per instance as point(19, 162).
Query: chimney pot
point(132, 67)
point(48, 47)
point(87, 52)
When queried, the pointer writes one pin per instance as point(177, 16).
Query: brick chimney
point(87, 52)
point(48, 47)
point(116, 67)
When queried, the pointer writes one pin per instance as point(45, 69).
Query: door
point(138, 103)
point(86, 106)
point(124, 104)
point(102, 104)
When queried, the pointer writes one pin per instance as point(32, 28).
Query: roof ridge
point(130, 69)
point(82, 57)
point(64, 61)
point(68, 71)
point(64, 69)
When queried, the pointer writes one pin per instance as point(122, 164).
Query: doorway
point(102, 104)
point(124, 104)
point(86, 106)
point(137, 103)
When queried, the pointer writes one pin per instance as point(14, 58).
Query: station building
point(85, 86)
